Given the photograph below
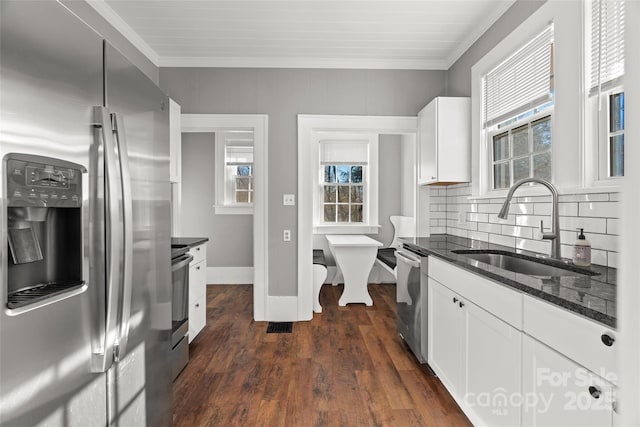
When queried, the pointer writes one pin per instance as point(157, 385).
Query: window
point(234, 172)
point(518, 108)
point(343, 190)
point(522, 151)
point(346, 181)
point(606, 90)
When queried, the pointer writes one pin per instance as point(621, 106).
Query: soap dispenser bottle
point(582, 251)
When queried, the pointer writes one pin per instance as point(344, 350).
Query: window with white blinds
point(607, 44)
point(344, 153)
point(522, 82)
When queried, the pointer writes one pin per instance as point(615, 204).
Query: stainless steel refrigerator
point(85, 319)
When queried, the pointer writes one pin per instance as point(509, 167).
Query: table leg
point(356, 263)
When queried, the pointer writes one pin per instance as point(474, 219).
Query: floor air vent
point(280, 327)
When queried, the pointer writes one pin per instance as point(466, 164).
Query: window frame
point(370, 178)
point(350, 185)
point(601, 113)
point(496, 130)
point(225, 181)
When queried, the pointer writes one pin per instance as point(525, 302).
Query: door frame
point(259, 123)
point(307, 126)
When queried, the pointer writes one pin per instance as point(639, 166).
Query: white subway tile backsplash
point(510, 230)
point(613, 226)
point(586, 197)
point(478, 217)
point(590, 225)
point(490, 228)
point(597, 213)
point(502, 240)
point(600, 209)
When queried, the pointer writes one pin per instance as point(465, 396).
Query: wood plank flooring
point(347, 367)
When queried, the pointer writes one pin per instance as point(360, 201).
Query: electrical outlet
point(286, 235)
point(289, 199)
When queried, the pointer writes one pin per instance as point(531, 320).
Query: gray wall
point(89, 15)
point(230, 236)
point(389, 185)
point(283, 94)
point(459, 74)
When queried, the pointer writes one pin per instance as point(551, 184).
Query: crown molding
point(125, 29)
point(283, 62)
point(478, 31)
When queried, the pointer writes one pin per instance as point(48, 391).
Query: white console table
point(354, 255)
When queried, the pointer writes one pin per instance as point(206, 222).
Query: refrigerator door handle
point(103, 356)
point(127, 208)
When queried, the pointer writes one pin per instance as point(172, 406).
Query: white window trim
point(370, 214)
point(221, 207)
point(568, 97)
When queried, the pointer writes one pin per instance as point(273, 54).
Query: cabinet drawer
point(576, 337)
point(495, 298)
point(199, 253)
point(197, 280)
point(197, 317)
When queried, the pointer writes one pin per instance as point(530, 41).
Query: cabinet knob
point(433, 177)
point(198, 249)
point(197, 305)
point(461, 304)
point(595, 392)
point(455, 300)
point(198, 268)
point(607, 340)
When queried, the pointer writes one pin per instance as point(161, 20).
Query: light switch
point(289, 200)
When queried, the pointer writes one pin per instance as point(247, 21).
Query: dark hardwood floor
point(347, 367)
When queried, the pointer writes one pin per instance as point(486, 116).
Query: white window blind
point(344, 153)
point(239, 156)
point(522, 82)
point(607, 44)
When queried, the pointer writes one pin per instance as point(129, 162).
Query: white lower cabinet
point(510, 359)
point(559, 392)
point(197, 291)
point(476, 356)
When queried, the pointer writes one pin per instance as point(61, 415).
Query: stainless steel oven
point(180, 260)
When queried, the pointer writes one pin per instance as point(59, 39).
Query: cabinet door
point(428, 170)
point(446, 337)
point(197, 317)
point(197, 281)
point(493, 363)
point(557, 391)
point(175, 142)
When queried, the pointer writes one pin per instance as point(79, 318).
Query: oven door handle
point(180, 262)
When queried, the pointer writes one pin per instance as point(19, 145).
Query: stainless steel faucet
point(554, 235)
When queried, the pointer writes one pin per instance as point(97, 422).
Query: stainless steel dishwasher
point(411, 299)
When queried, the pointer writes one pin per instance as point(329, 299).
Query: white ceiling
point(397, 34)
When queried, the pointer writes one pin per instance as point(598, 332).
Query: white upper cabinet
point(175, 142)
point(445, 141)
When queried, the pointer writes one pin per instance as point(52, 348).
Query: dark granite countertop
point(187, 242)
point(591, 296)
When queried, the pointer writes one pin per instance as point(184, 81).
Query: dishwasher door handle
point(408, 259)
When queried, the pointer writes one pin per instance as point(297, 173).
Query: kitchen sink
point(523, 264)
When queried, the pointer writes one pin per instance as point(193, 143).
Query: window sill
point(346, 229)
point(538, 190)
point(233, 210)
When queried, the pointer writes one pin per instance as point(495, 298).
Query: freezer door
point(50, 80)
point(141, 379)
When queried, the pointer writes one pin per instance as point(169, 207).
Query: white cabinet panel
point(559, 392)
point(446, 337)
point(493, 368)
point(445, 141)
point(197, 317)
point(175, 142)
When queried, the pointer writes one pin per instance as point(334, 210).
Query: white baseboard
point(229, 275)
point(282, 309)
